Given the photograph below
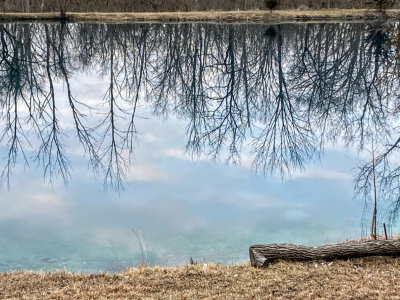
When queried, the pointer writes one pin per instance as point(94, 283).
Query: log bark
point(262, 255)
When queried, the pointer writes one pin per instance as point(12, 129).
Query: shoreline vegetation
point(367, 278)
point(250, 16)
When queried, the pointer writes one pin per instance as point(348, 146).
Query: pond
point(166, 143)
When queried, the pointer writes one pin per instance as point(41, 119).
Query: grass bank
point(209, 16)
point(369, 278)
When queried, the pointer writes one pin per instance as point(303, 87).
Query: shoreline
point(254, 16)
point(368, 278)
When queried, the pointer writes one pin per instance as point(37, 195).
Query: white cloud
point(37, 204)
point(145, 173)
point(46, 199)
point(321, 174)
point(149, 138)
point(184, 155)
point(246, 161)
point(177, 153)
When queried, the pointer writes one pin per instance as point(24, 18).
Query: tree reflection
point(284, 91)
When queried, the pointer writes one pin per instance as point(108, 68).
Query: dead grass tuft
point(368, 278)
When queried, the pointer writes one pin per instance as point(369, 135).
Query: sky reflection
point(184, 206)
point(174, 97)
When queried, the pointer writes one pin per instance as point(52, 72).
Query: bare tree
point(63, 6)
point(271, 4)
point(381, 5)
point(282, 92)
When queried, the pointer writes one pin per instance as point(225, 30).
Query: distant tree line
point(183, 5)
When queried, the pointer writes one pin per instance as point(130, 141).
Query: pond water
point(204, 138)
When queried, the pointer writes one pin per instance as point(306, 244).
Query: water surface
point(205, 138)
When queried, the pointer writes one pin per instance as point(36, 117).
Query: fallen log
point(262, 255)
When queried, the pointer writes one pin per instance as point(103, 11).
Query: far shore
point(253, 16)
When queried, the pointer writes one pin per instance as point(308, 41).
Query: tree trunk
point(263, 255)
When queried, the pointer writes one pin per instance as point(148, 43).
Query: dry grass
point(370, 278)
point(209, 16)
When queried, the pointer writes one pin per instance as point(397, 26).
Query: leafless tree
point(282, 91)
